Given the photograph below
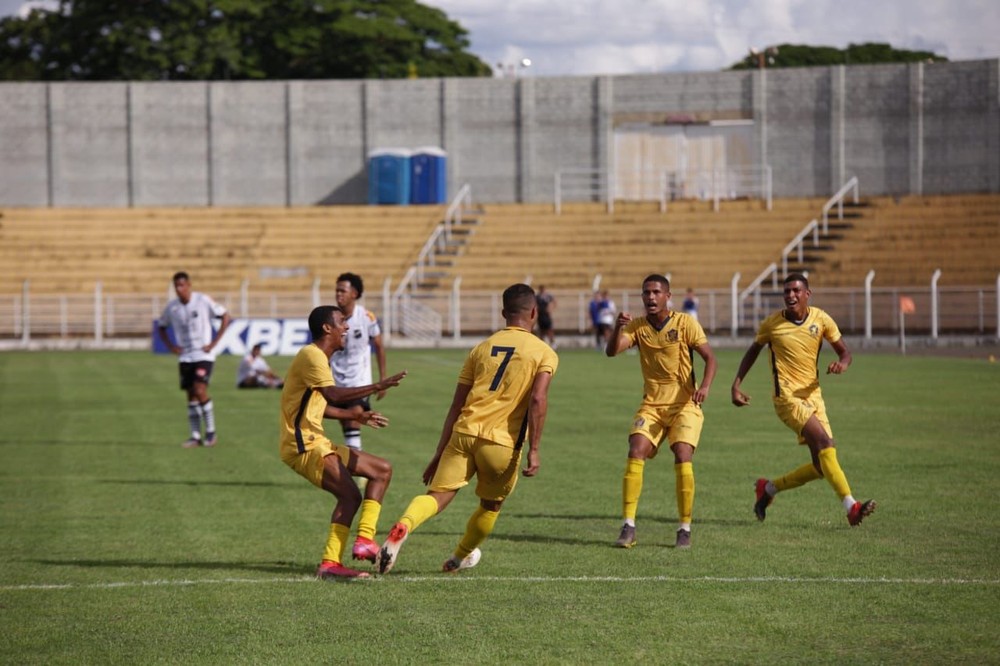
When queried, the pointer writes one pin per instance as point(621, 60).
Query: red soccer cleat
point(860, 511)
point(365, 549)
point(763, 499)
point(337, 571)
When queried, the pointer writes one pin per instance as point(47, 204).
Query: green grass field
point(119, 546)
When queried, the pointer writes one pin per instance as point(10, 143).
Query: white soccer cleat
point(390, 549)
point(452, 564)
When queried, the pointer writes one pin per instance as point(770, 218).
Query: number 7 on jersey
point(507, 353)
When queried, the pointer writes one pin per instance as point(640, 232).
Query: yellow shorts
point(795, 411)
point(310, 463)
point(494, 465)
point(675, 423)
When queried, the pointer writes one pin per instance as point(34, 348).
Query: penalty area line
point(736, 580)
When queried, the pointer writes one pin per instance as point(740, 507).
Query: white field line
point(778, 580)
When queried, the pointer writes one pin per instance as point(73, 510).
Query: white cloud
point(599, 36)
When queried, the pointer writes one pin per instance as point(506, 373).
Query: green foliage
point(119, 546)
point(87, 40)
point(799, 55)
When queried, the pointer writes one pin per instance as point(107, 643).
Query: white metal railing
point(838, 201)
point(861, 310)
point(418, 322)
point(583, 185)
point(796, 244)
point(754, 288)
point(439, 238)
point(663, 185)
point(460, 205)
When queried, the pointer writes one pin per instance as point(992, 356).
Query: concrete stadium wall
point(917, 128)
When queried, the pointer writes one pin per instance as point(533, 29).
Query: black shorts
point(544, 322)
point(364, 402)
point(199, 371)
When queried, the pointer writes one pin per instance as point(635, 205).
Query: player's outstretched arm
point(335, 394)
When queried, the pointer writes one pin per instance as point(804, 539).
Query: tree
point(797, 55)
point(86, 40)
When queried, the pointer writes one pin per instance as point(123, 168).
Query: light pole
point(764, 57)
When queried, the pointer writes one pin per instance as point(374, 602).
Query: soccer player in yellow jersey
point(307, 398)
point(500, 402)
point(671, 401)
point(795, 335)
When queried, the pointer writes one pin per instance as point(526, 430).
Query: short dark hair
point(355, 280)
point(656, 277)
point(796, 277)
point(518, 298)
point(181, 275)
point(319, 316)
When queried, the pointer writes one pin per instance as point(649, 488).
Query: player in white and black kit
point(190, 316)
point(352, 366)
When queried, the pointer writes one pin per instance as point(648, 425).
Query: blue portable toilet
point(389, 176)
point(429, 176)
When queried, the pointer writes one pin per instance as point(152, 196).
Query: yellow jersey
point(795, 350)
point(501, 371)
point(302, 406)
point(666, 357)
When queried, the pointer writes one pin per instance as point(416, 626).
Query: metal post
point(25, 312)
point(98, 313)
point(456, 308)
point(735, 290)
point(558, 193)
point(315, 293)
point(63, 317)
point(934, 303)
point(245, 298)
point(868, 304)
point(386, 311)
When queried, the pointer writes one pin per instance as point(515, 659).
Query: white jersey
point(192, 325)
point(251, 366)
point(352, 366)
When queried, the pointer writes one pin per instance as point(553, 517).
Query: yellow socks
point(797, 477)
point(367, 522)
point(422, 508)
point(834, 475)
point(336, 542)
point(684, 472)
point(479, 527)
point(632, 487)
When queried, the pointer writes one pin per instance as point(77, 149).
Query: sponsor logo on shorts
point(639, 422)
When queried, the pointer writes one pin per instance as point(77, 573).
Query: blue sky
point(571, 37)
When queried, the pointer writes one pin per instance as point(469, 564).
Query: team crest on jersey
point(639, 422)
point(672, 335)
point(813, 330)
point(357, 333)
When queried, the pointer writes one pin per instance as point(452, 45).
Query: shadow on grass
point(172, 482)
point(265, 567)
point(616, 520)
